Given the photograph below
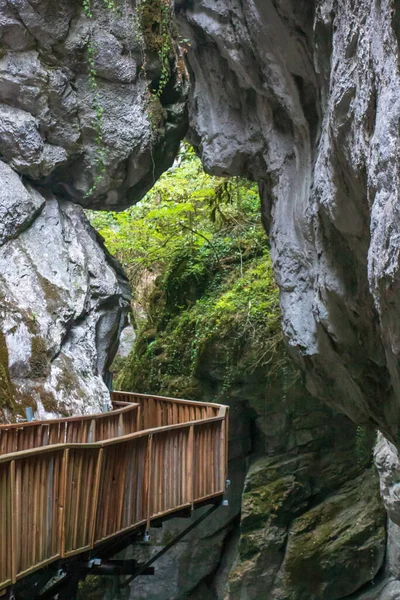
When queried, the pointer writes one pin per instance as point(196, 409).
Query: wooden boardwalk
point(68, 485)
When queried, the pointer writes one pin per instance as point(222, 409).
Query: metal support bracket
point(178, 538)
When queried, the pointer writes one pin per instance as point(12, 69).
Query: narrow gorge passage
point(267, 281)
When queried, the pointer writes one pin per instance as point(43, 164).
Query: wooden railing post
point(92, 431)
point(226, 423)
point(138, 418)
point(222, 453)
point(190, 466)
point(121, 424)
point(14, 505)
point(96, 496)
point(62, 501)
point(148, 479)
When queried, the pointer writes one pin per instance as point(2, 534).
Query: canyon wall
point(78, 125)
point(302, 97)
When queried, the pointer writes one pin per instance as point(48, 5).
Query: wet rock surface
point(78, 125)
point(303, 98)
point(49, 102)
point(63, 303)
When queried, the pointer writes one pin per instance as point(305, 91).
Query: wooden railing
point(89, 428)
point(60, 499)
point(157, 411)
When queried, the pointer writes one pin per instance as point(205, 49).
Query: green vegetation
point(157, 26)
point(365, 443)
point(92, 587)
point(99, 167)
point(198, 261)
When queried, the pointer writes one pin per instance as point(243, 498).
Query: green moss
point(91, 588)
point(157, 114)
point(261, 503)
point(67, 381)
point(159, 34)
point(321, 545)
point(151, 20)
point(49, 402)
point(51, 292)
point(231, 322)
point(157, 25)
point(24, 400)
point(7, 392)
point(39, 361)
point(365, 443)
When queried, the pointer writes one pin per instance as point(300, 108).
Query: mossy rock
point(51, 292)
point(336, 547)
point(7, 392)
point(39, 361)
point(91, 588)
point(270, 500)
point(49, 401)
point(24, 400)
point(151, 17)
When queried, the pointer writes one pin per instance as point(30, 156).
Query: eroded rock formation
point(78, 125)
point(304, 99)
point(49, 106)
point(63, 303)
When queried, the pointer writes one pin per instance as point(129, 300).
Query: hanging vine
point(100, 166)
point(158, 32)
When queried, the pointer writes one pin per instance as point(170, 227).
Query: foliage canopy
point(199, 264)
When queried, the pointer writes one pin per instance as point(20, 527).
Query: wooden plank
point(148, 479)
point(96, 495)
point(14, 532)
point(62, 502)
point(78, 516)
point(190, 466)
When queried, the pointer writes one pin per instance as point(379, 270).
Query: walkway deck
point(68, 485)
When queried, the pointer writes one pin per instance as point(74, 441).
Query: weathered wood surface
point(70, 484)
point(157, 411)
point(89, 428)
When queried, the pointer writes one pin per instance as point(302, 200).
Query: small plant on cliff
point(365, 442)
point(158, 32)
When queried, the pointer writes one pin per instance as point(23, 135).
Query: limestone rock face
point(309, 510)
point(388, 465)
point(50, 106)
point(304, 98)
point(78, 125)
point(324, 544)
point(63, 302)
